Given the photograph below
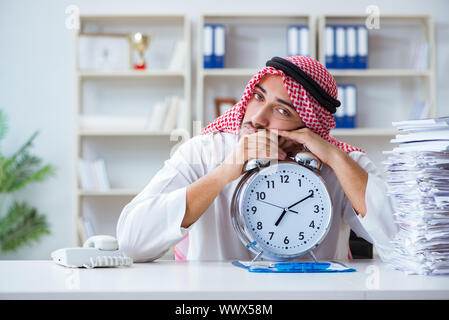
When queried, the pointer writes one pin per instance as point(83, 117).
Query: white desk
point(211, 280)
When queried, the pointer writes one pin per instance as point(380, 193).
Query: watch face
point(287, 211)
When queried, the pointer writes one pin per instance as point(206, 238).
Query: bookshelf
point(387, 89)
point(393, 82)
point(251, 40)
point(391, 63)
point(132, 155)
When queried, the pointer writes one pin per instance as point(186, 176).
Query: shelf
point(130, 74)
point(379, 73)
point(107, 133)
point(240, 72)
point(232, 72)
point(375, 132)
point(109, 193)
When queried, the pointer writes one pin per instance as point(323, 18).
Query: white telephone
point(97, 251)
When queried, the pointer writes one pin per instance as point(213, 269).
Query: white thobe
point(151, 223)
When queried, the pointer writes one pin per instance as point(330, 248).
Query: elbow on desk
point(127, 239)
point(136, 252)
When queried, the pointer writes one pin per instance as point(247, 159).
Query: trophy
point(139, 43)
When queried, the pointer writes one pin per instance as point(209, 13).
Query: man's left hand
point(321, 148)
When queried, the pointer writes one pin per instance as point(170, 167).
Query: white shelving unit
point(390, 62)
point(134, 154)
point(388, 89)
point(251, 40)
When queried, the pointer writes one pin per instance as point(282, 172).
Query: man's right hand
point(262, 144)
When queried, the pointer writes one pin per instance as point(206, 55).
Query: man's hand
point(325, 151)
point(351, 176)
point(262, 144)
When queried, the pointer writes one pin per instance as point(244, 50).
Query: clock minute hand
point(272, 204)
point(309, 196)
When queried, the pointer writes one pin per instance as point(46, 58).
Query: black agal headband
point(312, 87)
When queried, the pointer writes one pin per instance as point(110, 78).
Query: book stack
point(164, 114)
point(346, 47)
point(92, 175)
point(214, 46)
point(418, 183)
point(298, 41)
point(346, 114)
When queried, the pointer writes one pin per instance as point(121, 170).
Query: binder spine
point(340, 47)
point(329, 53)
point(219, 45)
point(351, 106)
point(304, 49)
point(292, 40)
point(339, 115)
point(351, 46)
point(362, 48)
point(208, 45)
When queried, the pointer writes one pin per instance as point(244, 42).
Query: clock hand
point(280, 218)
point(277, 206)
point(309, 196)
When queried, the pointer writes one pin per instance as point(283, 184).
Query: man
point(287, 105)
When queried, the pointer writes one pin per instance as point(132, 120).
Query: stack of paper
point(418, 182)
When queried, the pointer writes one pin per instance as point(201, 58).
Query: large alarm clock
point(282, 210)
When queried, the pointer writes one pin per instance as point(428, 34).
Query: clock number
point(284, 178)
point(259, 225)
point(311, 193)
point(286, 241)
point(317, 208)
point(312, 224)
point(301, 236)
point(299, 180)
point(254, 209)
point(272, 184)
point(271, 235)
point(260, 195)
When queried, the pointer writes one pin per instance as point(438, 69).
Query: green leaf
point(20, 226)
point(25, 170)
point(22, 150)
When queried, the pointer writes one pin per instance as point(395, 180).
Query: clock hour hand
point(309, 196)
point(280, 218)
point(271, 204)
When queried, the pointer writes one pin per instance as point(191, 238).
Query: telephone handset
point(97, 251)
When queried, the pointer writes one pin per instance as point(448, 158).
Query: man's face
point(270, 107)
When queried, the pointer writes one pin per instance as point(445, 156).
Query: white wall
point(37, 86)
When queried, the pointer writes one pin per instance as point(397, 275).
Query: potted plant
point(20, 223)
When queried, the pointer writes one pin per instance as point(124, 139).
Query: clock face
point(287, 211)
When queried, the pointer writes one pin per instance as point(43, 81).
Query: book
point(171, 114)
point(340, 47)
point(92, 175)
point(346, 114)
point(298, 40)
point(177, 61)
point(346, 46)
point(208, 46)
point(340, 113)
point(329, 47)
point(362, 48)
point(219, 41)
point(351, 47)
point(351, 106)
point(157, 116)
